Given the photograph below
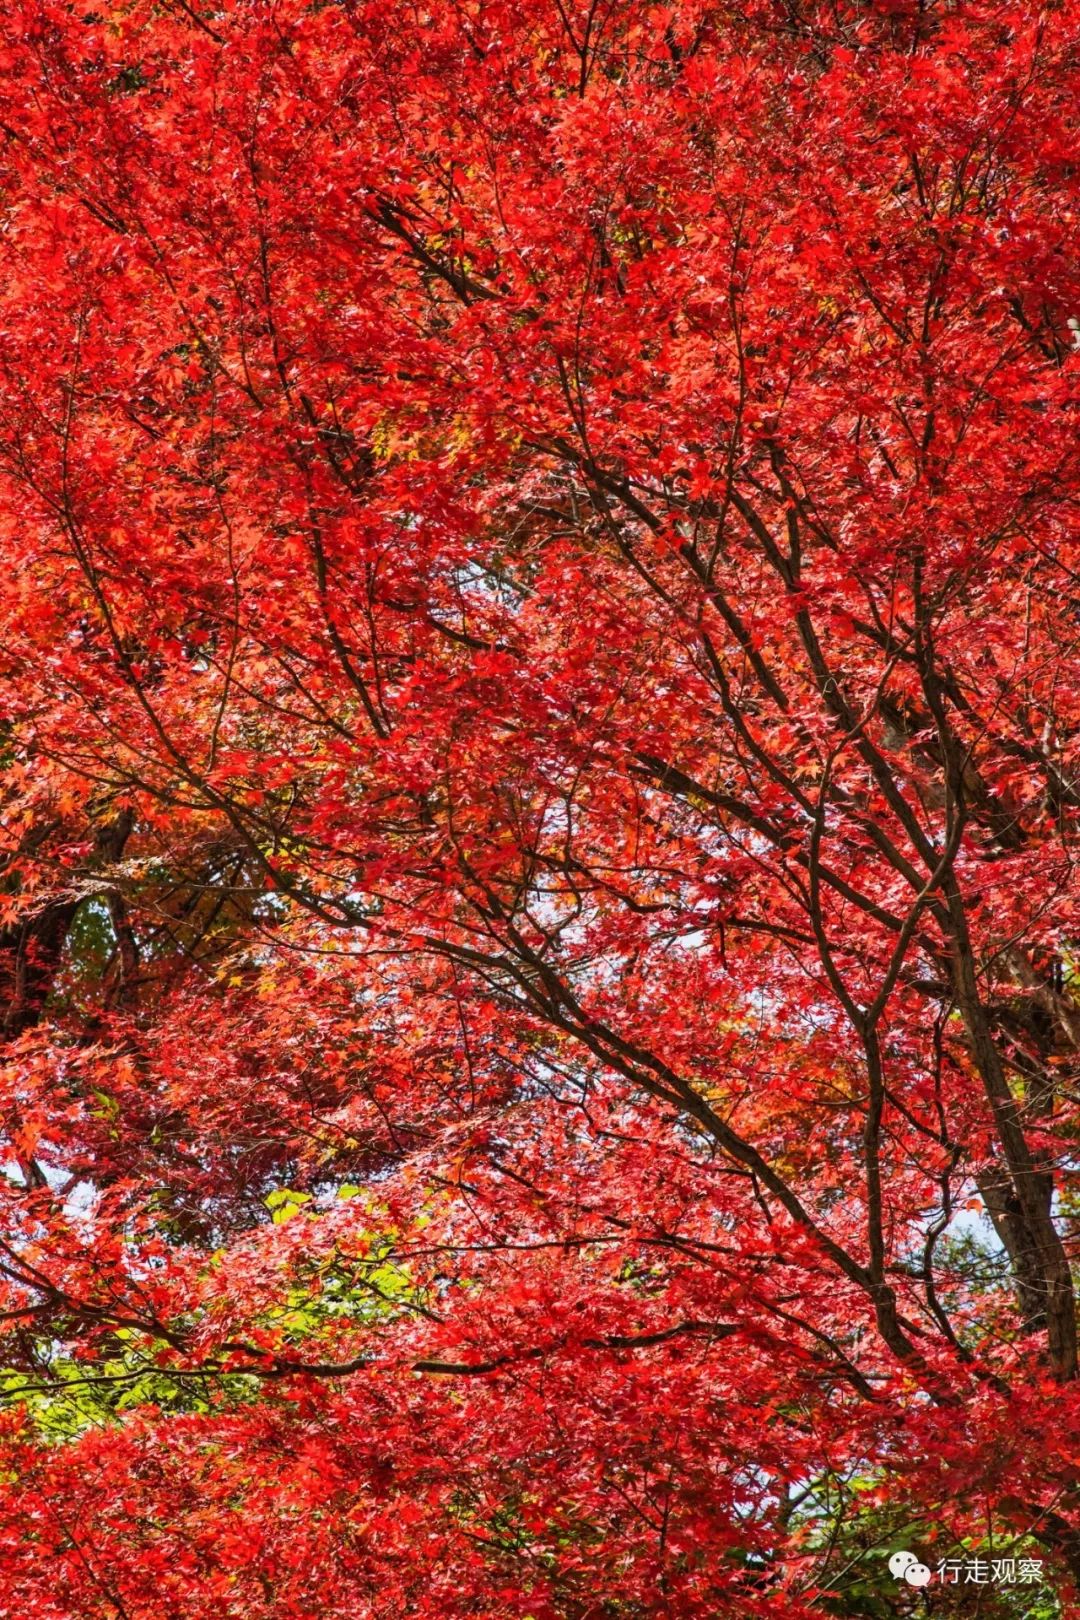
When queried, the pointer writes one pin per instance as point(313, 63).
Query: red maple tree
point(539, 684)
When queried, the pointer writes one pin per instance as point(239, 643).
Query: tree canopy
point(539, 802)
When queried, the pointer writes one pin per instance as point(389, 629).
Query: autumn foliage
point(539, 807)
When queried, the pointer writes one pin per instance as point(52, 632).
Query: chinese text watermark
point(973, 1571)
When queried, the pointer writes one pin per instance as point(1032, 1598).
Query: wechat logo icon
point(905, 1566)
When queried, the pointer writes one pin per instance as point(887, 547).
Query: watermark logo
point(905, 1566)
point(909, 1567)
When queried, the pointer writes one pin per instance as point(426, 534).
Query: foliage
point(539, 687)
